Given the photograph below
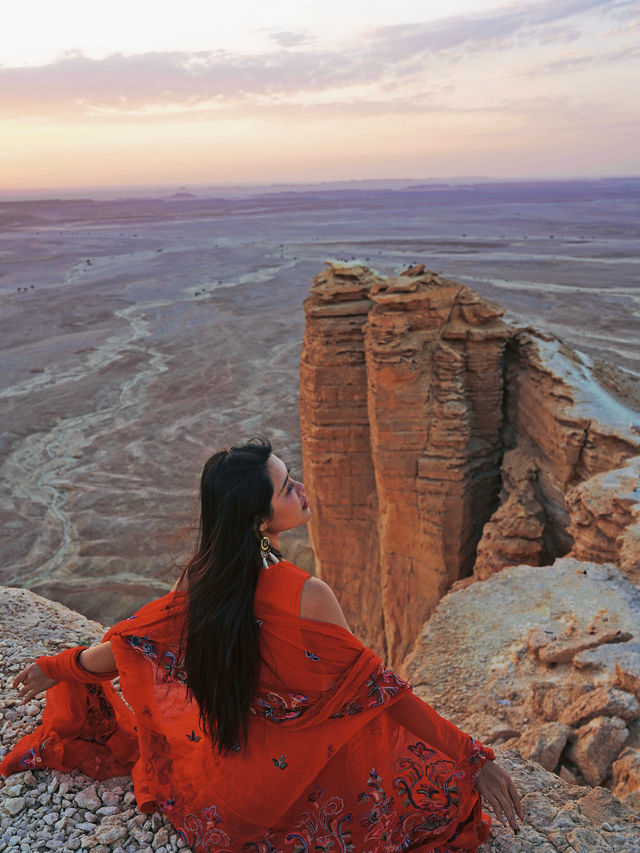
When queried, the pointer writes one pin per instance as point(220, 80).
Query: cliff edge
point(441, 444)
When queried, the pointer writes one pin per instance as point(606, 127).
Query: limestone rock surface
point(605, 518)
point(597, 745)
point(560, 817)
point(497, 657)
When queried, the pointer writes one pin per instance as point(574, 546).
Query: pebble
point(12, 790)
point(14, 805)
point(47, 810)
point(108, 810)
point(107, 834)
point(88, 799)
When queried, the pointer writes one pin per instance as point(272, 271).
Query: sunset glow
point(276, 92)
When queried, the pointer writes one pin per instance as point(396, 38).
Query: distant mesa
point(182, 195)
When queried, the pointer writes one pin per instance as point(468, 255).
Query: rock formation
point(48, 809)
point(335, 424)
point(561, 429)
point(605, 518)
point(441, 442)
point(555, 675)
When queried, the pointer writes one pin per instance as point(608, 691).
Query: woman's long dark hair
point(221, 651)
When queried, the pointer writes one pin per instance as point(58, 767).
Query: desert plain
point(139, 334)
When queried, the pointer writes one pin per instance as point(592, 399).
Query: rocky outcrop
point(605, 518)
point(401, 413)
point(399, 378)
point(440, 442)
point(562, 428)
point(542, 659)
point(561, 817)
point(336, 436)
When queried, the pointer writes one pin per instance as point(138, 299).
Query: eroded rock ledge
point(442, 443)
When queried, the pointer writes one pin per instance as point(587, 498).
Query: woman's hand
point(33, 681)
point(495, 786)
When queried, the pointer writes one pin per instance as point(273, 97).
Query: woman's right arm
point(97, 659)
point(319, 602)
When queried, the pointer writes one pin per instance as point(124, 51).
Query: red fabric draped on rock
point(340, 754)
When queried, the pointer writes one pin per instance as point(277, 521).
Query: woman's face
point(289, 507)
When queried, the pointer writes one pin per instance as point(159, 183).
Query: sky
point(133, 92)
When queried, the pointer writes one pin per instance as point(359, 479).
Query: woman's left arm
point(98, 658)
point(495, 786)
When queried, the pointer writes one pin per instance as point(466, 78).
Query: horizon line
point(80, 192)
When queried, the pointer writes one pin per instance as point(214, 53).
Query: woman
point(257, 721)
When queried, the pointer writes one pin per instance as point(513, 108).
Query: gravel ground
point(50, 809)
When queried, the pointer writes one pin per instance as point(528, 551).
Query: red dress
point(340, 756)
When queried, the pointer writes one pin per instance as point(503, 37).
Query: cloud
point(578, 62)
point(383, 61)
point(286, 38)
point(492, 28)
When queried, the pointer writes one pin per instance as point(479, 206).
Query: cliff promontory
point(442, 443)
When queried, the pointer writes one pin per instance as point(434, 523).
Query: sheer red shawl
point(340, 755)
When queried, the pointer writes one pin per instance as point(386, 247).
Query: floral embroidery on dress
point(429, 793)
point(144, 645)
point(353, 706)
point(173, 669)
point(323, 827)
point(206, 831)
point(159, 755)
point(100, 716)
point(383, 684)
point(279, 708)
point(31, 759)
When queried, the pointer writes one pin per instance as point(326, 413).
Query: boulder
point(626, 777)
point(602, 702)
point(605, 518)
point(597, 745)
point(628, 671)
point(544, 743)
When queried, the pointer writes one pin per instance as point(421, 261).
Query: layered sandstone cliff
point(441, 442)
point(337, 443)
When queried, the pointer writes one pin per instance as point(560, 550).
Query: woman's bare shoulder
point(318, 602)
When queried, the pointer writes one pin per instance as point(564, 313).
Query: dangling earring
point(264, 551)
